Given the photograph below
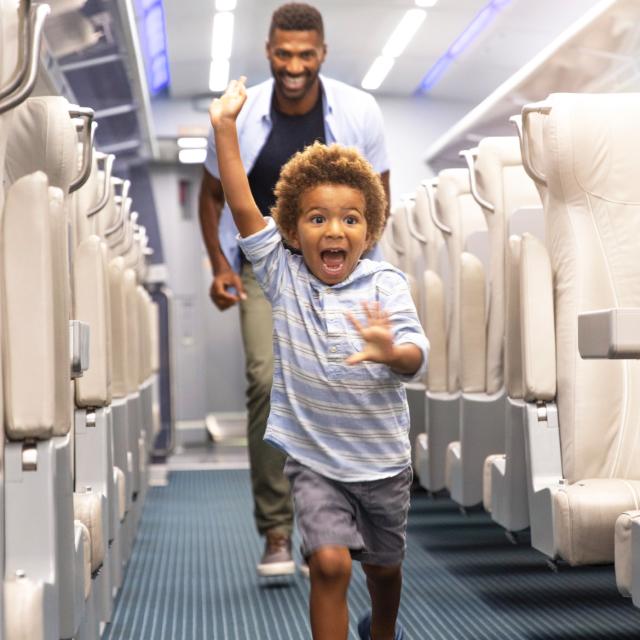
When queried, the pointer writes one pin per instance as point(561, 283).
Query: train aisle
point(192, 576)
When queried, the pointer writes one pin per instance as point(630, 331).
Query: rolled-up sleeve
point(267, 255)
point(395, 298)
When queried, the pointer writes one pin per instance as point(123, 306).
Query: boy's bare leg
point(330, 573)
point(385, 586)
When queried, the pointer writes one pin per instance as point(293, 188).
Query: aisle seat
point(465, 235)
point(430, 445)
point(24, 605)
point(503, 190)
point(583, 420)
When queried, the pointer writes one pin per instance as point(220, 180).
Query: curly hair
point(319, 164)
point(296, 16)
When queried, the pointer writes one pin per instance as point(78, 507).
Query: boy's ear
point(293, 239)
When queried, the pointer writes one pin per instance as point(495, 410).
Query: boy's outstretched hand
point(377, 335)
point(228, 105)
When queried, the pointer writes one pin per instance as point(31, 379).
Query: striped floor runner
point(192, 577)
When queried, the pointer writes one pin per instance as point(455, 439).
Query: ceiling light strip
point(400, 37)
point(221, 44)
point(481, 21)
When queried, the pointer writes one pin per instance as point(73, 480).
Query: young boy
point(346, 336)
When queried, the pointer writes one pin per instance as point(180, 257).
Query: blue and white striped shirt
point(347, 422)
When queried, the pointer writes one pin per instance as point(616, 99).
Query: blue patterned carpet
point(192, 577)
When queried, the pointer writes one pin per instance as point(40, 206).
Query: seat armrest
point(609, 333)
point(538, 338)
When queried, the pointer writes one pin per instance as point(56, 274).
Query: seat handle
point(108, 159)
point(430, 187)
point(407, 200)
point(529, 167)
point(27, 77)
point(88, 129)
point(470, 156)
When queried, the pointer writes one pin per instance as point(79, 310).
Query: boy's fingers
point(356, 358)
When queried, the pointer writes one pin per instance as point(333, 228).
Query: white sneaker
point(304, 569)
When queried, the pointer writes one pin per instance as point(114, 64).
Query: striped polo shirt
point(347, 422)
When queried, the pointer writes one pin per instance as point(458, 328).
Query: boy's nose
point(334, 229)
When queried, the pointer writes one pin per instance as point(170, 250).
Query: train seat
point(93, 396)
point(503, 191)
point(409, 262)
point(582, 415)
point(481, 426)
point(430, 445)
point(44, 126)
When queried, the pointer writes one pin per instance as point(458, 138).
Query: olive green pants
point(273, 508)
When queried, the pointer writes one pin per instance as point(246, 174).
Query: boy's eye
point(351, 220)
point(317, 219)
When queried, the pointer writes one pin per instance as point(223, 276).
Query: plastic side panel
point(538, 323)
point(442, 428)
point(473, 339)
point(544, 473)
point(481, 435)
point(28, 342)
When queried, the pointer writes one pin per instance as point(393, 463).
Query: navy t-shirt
point(289, 134)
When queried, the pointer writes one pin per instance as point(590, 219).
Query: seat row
point(525, 274)
point(80, 358)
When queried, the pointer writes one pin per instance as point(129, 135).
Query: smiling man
point(283, 115)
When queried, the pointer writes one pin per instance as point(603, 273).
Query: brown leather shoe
point(277, 559)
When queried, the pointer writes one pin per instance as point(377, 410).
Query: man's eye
point(283, 55)
point(307, 55)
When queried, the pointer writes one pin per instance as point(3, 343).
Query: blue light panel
point(482, 20)
point(153, 42)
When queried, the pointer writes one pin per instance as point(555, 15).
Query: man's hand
point(228, 106)
point(220, 292)
point(377, 335)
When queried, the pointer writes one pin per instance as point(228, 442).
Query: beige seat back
point(43, 138)
point(503, 187)
point(457, 209)
point(592, 217)
point(432, 311)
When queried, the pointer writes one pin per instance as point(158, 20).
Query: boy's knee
point(331, 564)
point(382, 573)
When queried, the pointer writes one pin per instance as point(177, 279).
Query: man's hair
point(296, 16)
point(336, 165)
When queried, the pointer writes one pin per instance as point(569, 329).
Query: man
point(282, 115)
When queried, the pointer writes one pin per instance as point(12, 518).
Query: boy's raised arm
point(223, 112)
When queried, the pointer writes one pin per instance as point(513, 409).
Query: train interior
point(513, 140)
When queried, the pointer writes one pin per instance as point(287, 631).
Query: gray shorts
point(369, 518)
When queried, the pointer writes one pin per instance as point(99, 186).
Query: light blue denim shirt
point(352, 118)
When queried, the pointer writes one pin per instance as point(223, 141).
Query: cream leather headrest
point(593, 132)
point(43, 138)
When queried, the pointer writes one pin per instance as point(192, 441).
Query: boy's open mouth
point(333, 260)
